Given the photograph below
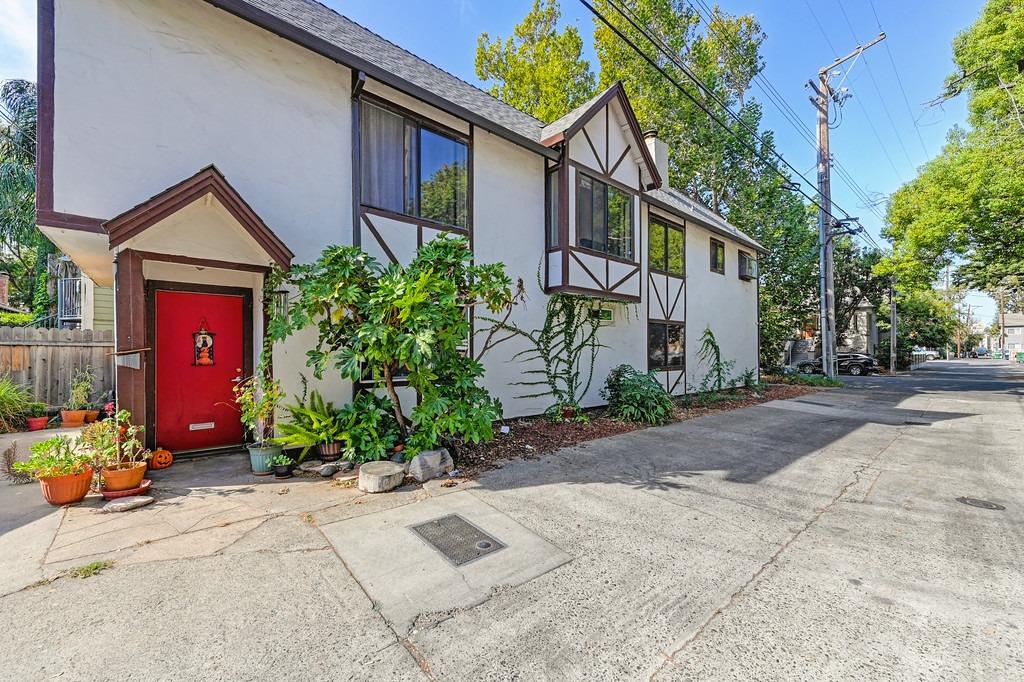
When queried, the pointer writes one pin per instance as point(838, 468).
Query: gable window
point(604, 217)
point(409, 168)
point(717, 256)
point(665, 249)
point(665, 350)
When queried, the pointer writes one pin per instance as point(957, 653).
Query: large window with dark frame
point(666, 246)
point(604, 217)
point(717, 256)
point(410, 168)
point(665, 348)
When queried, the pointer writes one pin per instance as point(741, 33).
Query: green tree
point(855, 282)
point(538, 70)
point(23, 248)
point(966, 205)
point(403, 323)
point(924, 318)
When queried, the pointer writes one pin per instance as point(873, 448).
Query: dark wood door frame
point(153, 286)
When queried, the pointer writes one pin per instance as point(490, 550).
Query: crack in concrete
point(670, 657)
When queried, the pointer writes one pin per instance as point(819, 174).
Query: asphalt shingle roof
point(323, 22)
point(673, 200)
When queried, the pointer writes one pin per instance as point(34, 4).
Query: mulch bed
point(531, 437)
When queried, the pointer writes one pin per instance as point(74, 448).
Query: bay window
point(410, 168)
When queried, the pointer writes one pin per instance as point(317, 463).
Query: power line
point(878, 90)
point(700, 105)
point(899, 82)
point(790, 115)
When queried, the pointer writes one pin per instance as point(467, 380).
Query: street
point(819, 538)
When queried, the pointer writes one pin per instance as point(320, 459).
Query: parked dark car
point(849, 363)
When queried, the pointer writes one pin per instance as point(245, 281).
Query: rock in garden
point(430, 464)
point(310, 465)
point(126, 503)
point(379, 477)
point(328, 470)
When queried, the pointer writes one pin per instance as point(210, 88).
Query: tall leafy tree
point(539, 69)
point(966, 206)
point(21, 244)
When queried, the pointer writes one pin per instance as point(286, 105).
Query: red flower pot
point(37, 423)
point(69, 489)
point(72, 417)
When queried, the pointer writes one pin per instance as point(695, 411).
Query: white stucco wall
point(725, 303)
point(148, 93)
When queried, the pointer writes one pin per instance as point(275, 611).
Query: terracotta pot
point(72, 417)
point(124, 479)
point(37, 423)
point(69, 489)
point(91, 416)
point(329, 451)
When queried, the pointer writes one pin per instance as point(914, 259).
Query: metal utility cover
point(456, 539)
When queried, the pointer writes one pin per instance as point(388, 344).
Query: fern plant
point(719, 370)
point(311, 423)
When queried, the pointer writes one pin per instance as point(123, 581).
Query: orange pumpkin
point(161, 459)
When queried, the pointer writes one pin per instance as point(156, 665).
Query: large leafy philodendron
point(403, 324)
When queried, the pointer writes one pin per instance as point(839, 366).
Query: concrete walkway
point(819, 538)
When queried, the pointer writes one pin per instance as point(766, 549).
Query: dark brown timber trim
point(203, 262)
point(207, 181)
point(69, 221)
point(130, 324)
point(46, 78)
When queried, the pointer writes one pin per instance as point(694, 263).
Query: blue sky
point(877, 141)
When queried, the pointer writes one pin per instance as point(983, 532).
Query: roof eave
point(293, 33)
point(739, 238)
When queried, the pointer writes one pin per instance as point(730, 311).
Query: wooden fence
point(45, 360)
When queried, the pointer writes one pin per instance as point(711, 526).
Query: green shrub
point(369, 428)
point(637, 397)
point(15, 319)
point(14, 402)
point(313, 422)
point(798, 379)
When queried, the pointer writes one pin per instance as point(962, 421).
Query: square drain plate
point(457, 540)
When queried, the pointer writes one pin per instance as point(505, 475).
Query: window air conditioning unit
point(748, 266)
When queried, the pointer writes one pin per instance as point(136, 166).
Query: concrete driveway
point(813, 539)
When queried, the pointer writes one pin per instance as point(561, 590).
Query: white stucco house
point(186, 145)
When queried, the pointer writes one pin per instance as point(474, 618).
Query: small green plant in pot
point(312, 423)
point(62, 468)
point(282, 465)
point(36, 418)
point(257, 397)
point(75, 408)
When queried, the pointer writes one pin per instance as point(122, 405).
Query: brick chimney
point(5, 285)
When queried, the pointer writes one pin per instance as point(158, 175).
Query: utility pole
point(892, 328)
point(824, 95)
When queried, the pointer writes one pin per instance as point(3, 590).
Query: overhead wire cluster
point(658, 43)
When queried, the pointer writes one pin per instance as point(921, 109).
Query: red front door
point(194, 404)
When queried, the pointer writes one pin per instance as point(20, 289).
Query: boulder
point(430, 464)
point(379, 477)
point(125, 503)
point(311, 465)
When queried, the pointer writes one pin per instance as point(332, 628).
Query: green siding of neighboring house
point(103, 308)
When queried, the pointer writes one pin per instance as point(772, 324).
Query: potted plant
point(282, 465)
point(92, 412)
point(73, 412)
point(117, 450)
point(313, 424)
point(63, 470)
point(35, 416)
point(257, 397)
